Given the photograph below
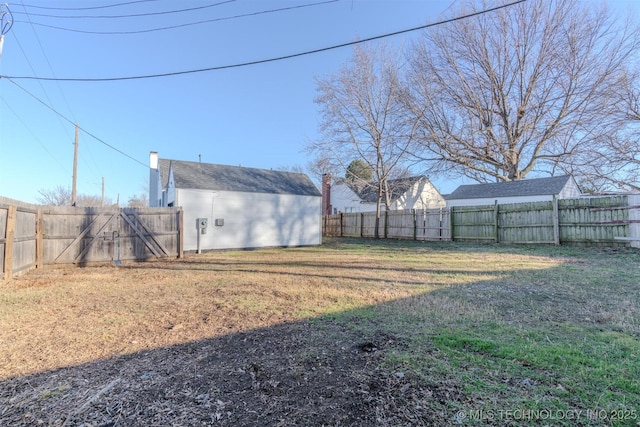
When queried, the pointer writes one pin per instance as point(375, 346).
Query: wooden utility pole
point(75, 168)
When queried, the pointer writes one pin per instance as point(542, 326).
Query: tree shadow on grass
point(333, 370)
point(312, 372)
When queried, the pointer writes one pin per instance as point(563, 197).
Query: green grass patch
point(558, 368)
point(531, 335)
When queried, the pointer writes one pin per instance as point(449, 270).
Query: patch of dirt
point(292, 374)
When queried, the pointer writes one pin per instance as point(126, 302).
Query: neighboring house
point(242, 207)
point(347, 196)
point(526, 190)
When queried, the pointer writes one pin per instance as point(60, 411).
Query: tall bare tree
point(614, 164)
point(524, 88)
point(362, 117)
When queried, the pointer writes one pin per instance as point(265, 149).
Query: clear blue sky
point(257, 116)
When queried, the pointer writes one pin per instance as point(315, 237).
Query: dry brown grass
point(60, 317)
point(351, 333)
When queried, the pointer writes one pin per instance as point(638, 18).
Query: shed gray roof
point(525, 187)
point(207, 176)
point(368, 193)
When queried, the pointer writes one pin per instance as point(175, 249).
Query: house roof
point(525, 187)
point(368, 193)
point(207, 176)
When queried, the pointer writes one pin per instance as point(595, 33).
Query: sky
point(260, 115)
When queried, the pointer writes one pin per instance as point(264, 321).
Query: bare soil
point(230, 338)
point(282, 376)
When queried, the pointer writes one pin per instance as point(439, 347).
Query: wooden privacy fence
point(594, 220)
point(35, 236)
point(419, 224)
point(18, 225)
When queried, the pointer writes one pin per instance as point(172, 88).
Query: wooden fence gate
point(98, 235)
point(36, 236)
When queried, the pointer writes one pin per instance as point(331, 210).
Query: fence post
point(39, 240)
point(361, 224)
point(634, 219)
point(415, 224)
point(325, 225)
point(451, 212)
point(341, 224)
point(495, 222)
point(386, 223)
point(8, 243)
point(556, 221)
point(180, 233)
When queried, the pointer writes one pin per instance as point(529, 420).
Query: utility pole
point(102, 202)
point(75, 168)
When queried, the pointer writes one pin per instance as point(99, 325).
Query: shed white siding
point(250, 220)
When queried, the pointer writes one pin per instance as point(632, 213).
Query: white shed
point(526, 190)
point(233, 207)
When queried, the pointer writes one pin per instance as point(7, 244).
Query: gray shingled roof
point(207, 176)
point(525, 187)
point(369, 193)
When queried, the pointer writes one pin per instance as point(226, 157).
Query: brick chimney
point(326, 194)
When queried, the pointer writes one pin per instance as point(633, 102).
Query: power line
point(166, 12)
point(71, 122)
point(32, 134)
point(44, 53)
point(89, 7)
point(264, 61)
point(171, 27)
point(46, 94)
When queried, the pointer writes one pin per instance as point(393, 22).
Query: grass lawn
point(360, 332)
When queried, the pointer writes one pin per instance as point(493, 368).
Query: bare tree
point(362, 117)
point(528, 87)
point(57, 196)
point(138, 200)
point(626, 147)
point(90, 200)
point(615, 163)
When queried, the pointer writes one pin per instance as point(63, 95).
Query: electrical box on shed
point(202, 224)
point(219, 222)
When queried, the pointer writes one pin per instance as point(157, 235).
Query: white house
point(232, 207)
point(526, 190)
point(347, 196)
